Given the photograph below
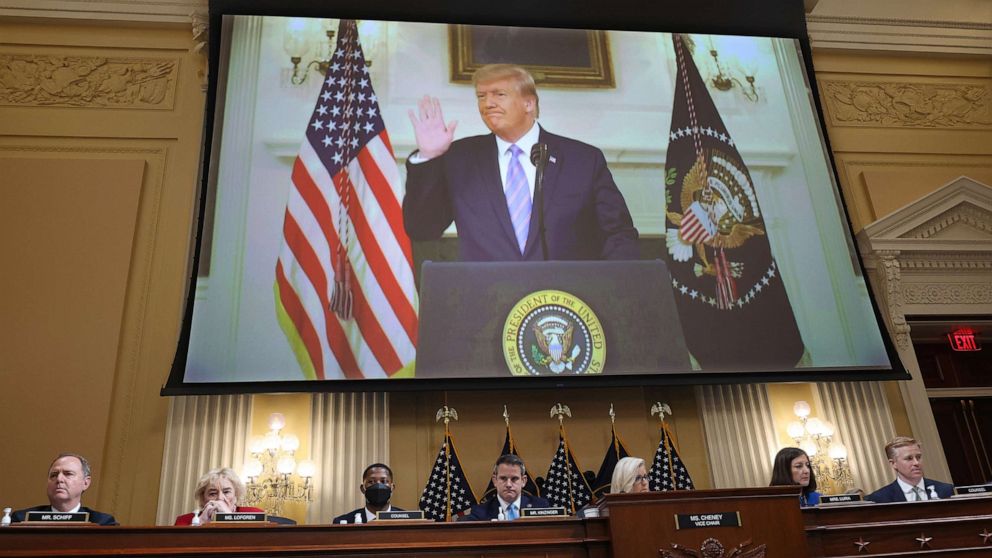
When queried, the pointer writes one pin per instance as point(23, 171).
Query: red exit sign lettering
point(963, 340)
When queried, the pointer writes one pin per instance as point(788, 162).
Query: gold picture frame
point(567, 58)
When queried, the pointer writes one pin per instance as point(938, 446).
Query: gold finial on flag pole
point(613, 416)
point(661, 409)
point(560, 411)
point(447, 413)
point(506, 416)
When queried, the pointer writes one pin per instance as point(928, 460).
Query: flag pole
point(448, 414)
point(560, 411)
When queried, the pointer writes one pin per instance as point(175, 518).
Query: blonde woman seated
point(630, 475)
point(218, 491)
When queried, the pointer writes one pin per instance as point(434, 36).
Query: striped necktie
point(918, 493)
point(518, 197)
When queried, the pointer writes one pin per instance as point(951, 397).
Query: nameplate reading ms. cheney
point(553, 333)
point(702, 520)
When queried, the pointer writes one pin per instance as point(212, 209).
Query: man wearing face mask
point(377, 486)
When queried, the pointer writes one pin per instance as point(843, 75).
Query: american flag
point(447, 492)
point(565, 484)
point(614, 453)
point(344, 287)
point(667, 470)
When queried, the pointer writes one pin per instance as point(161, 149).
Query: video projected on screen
point(616, 203)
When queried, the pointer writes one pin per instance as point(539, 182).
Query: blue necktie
point(511, 510)
point(518, 197)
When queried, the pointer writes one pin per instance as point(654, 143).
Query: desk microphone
point(539, 158)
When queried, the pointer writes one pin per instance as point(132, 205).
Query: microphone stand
point(539, 158)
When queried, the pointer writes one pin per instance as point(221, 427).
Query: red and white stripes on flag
point(343, 236)
point(696, 225)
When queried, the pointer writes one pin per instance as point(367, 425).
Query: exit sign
point(963, 340)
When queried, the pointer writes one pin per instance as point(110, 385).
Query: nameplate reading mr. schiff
point(543, 512)
point(56, 517)
point(394, 515)
point(702, 520)
point(240, 517)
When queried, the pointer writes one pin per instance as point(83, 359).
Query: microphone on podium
point(539, 156)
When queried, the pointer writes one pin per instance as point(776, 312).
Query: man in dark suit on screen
point(68, 478)
point(509, 477)
point(906, 458)
point(486, 184)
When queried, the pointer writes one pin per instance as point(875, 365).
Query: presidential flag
point(447, 493)
point(667, 470)
point(614, 454)
point(565, 485)
point(344, 289)
point(509, 447)
point(731, 300)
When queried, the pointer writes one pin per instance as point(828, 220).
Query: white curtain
point(203, 432)
point(349, 432)
point(740, 434)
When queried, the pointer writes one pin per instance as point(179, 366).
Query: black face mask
point(378, 494)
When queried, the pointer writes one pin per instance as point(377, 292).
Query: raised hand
point(433, 136)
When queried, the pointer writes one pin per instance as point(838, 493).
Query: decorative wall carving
point(942, 261)
point(713, 548)
point(913, 105)
point(970, 215)
point(90, 81)
point(889, 266)
point(948, 293)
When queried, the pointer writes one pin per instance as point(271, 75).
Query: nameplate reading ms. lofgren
point(395, 515)
point(543, 512)
point(240, 517)
point(56, 517)
point(702, 520)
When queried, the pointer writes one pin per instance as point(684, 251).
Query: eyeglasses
point(641, 478)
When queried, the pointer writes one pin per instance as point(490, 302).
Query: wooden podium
point(743, 522)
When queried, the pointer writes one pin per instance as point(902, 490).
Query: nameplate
point(56, 517)
point(840, 498)
point(701, 520)
point(973, 489)
point(395, 515)
point(240, 517)
point(543, 512)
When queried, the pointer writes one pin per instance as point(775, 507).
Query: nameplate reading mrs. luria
point(56, 517)
point(543, 512)
point(973, 489)
point(240, 517)
point(839, 498)
point(701, 520)
point(395, 515)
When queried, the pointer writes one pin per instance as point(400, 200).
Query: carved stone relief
point(948, 293)
point(913, 105)
point(713, 548)
point(90, 81)
point(891, 275)
point(970, 215)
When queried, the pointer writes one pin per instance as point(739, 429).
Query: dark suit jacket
point(893, 492)
point(350, 516)
point(490, 510)
point(586, 217)
point(99, 518)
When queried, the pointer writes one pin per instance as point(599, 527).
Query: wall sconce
point(300, 38)
point(725, 81)
point(271, 482)
point(827, 456)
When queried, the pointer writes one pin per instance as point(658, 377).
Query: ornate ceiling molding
point(908, 104)
point(154, 11)
point(896, 34)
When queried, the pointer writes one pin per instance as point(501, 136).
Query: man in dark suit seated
point(68, 477)
point(906, 458)
point(486, 184)
point(377, 486)
point(509, 477)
